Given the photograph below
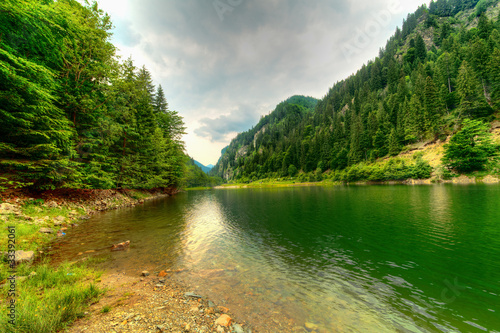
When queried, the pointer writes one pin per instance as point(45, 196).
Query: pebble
point(237, 328)
point(191, 294)
point(145, 273)
point(224, 320)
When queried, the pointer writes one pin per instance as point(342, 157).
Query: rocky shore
point(154, 304)
point(148, 303)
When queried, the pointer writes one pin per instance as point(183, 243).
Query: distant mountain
point(206, 168)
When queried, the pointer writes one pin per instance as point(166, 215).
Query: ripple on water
point(361, 259)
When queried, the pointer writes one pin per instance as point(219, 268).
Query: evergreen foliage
point(71, 115)
point(470, 148)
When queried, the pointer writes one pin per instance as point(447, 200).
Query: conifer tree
point(494, 75)
point(472, 101)
point(431, 105)
point(420, 48)
point(470, 148)
point(394, 146)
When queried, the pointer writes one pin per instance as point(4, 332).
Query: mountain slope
point(441, 67)
point(252, 147)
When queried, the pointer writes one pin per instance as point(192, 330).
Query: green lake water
point(347, 258)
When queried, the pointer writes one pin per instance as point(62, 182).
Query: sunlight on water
point(348, 259)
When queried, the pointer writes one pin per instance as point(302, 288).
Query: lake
point(346, 258)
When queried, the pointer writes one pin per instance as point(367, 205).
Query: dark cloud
point(218, 128)
point(260, 53)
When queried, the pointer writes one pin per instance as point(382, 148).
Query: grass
point(106, 309)
point(50, 298)
point(138, 195)
point(199, 188)
point(28, 237)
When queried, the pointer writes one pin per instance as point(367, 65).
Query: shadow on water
point(358, 258)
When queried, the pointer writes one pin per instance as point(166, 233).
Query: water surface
point(350, 259)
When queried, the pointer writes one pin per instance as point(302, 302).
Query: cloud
point(260, 53)
point(217, 129)
point(126, 35)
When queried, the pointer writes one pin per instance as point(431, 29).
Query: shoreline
point(127, 303)
point(461, 180)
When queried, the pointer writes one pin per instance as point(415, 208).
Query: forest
point(74, 115)
point(441, 68)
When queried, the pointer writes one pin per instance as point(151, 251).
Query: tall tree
point(420, 48)
point(472, 101)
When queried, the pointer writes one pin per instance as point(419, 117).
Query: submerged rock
point(191, 294)
point(120, 246)
point(311, 327)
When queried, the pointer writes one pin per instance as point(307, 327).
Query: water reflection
point(361, 259)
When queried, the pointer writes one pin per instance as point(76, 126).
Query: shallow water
point(353, 259)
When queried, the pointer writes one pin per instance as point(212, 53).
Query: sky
point(225, 63)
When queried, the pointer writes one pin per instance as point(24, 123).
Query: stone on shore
point(7, 208)
point(24, 256)
point(60, 219)
point(145, 273)
point(224, 320)
point(237, 328)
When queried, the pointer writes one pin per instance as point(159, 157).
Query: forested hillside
point(253, 153)
point(440, 68)
point(71, 113)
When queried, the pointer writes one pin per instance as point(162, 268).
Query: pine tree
point(494, 77)
point(35, 136)
point(431, 105)
point(420, 48)
point(355, 150)
point(160, 102)
point(470, 148)
point(472, 101)
point(380, 143)
point(394, 146)
point(484, 27)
